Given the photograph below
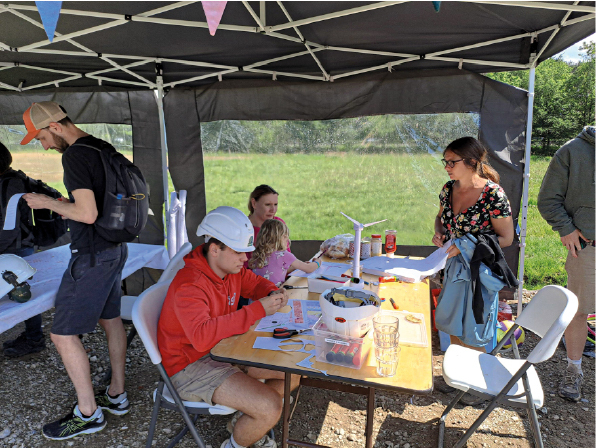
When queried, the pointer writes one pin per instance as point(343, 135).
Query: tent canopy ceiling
point(319, 41)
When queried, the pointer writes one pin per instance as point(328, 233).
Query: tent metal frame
point(260, 66)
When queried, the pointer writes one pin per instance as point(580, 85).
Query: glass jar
point(365, 249)
point(376, 245)
point(351, 249)
point(390, 242)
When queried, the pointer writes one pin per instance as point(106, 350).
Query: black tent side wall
point(502, 109)
point(185, 155)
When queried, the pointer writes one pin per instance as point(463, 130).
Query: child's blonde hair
point(269, 240)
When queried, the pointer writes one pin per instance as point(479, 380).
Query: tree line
point(563, 98)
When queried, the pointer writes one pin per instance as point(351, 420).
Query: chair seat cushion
point(216, 409)
point(465, 369)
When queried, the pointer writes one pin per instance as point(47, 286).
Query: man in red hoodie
point(201, 309)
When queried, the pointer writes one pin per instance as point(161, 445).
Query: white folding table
point(51, 265)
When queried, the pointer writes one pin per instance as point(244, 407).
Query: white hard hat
point(16, 265)
point(353, 319)
point(230, 226)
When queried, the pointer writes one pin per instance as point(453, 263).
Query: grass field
point(314, 188)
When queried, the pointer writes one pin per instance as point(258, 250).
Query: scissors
point(295, 287)
point(285, 333)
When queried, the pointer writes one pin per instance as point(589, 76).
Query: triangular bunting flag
point(213, 12)
point(49, 13)
point(437, 6)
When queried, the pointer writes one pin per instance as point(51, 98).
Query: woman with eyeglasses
point(472, 201)
point(474, 213)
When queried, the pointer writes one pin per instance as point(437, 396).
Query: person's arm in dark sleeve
point(551, 198)
point(8, 237)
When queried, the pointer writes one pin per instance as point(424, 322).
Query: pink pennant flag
point(213, 12)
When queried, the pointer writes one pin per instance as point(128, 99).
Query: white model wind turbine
point(358, 228)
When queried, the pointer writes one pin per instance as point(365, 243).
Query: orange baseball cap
point(39, 116)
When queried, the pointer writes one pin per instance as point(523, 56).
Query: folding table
point(414, 371)
point(52, 263)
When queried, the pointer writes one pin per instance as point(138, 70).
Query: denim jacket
point(454, 313)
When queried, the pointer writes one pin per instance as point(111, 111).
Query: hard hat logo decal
point(250, 242)
point(341, 320)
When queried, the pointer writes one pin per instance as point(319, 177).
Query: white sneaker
point(265, 442)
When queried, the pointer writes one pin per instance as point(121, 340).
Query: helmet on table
point(14, 271)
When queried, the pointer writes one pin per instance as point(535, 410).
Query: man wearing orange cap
point(90, 290)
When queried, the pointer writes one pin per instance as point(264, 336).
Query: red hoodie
point(201, 309)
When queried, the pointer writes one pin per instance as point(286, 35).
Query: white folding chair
point(168, 274)
point(145, 316)
point(512, 382)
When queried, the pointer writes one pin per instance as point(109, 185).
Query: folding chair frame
point(500, 399)
point(161, 402)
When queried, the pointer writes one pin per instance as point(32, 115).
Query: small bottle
point(117, 213)
point(376, 245)
point(390, 242)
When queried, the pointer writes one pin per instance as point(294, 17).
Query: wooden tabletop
point(414, 371)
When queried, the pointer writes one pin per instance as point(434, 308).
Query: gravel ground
point(37, 390)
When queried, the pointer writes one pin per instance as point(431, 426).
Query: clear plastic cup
point(385, 330)
point(387, 360)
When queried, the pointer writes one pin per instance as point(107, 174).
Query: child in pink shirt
point(271, 258)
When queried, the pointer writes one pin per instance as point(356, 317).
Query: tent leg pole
point(524, 223)
point(164, 150)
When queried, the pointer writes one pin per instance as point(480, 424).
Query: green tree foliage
point(563, 101)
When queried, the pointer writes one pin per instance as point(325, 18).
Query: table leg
point(370, 417)
point(285, 433)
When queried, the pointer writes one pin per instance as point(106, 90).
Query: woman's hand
point(439, 239)
point(452, 251)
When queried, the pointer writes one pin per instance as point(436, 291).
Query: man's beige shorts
point(580, 278)
point(198, 380)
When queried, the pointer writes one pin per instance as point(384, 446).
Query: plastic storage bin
point(319, 285)
point(345, 351)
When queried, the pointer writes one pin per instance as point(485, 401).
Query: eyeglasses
point(450, 163)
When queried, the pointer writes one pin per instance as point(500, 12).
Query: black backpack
point(45, 226)
point(126, 199)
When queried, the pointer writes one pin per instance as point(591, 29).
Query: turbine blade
point(372, 223)
point(353, 220)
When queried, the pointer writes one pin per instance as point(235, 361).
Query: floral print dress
point(492, 203)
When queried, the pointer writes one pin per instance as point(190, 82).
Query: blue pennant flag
point(437, 6)
point(49, 13)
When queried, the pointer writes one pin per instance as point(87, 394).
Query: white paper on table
point(10, 220)
point(327, 268)
point(408, 270)
point(304, 314)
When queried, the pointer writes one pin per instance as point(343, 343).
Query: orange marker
point(393, 303)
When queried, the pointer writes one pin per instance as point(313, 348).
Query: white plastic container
point(320, 285)
point(353, 320)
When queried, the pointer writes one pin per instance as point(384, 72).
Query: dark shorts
point(87, 293)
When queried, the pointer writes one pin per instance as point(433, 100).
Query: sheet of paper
point(10, 220)
point(269, 323)
point(327, 268)
point(302, 314)
point(305, 314)
point(408, 270)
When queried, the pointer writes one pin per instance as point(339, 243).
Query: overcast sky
point(572, 53)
